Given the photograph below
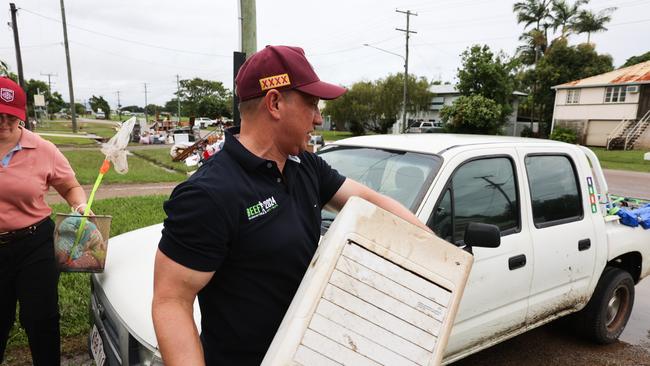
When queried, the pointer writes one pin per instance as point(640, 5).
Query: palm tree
point(564, 15)
point(534, 45)
point(534, 12)
point(590, 22)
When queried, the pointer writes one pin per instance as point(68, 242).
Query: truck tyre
point(607, 313)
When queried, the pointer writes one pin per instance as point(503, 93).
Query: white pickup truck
point(426, 127)
point(559, 252)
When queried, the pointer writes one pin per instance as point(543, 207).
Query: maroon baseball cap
point(12, 98)
point(281, 68)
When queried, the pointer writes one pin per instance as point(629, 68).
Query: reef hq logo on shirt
point(261, 208)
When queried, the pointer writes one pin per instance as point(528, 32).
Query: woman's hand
point(81, 208)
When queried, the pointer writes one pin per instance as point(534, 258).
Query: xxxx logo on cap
point(276, 81)
point(7, 95)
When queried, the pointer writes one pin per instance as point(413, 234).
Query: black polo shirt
point(258, 229)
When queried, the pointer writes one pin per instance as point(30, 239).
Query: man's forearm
point(393, 207)
point(178, 338)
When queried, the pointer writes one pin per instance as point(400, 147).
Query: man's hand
point(175, 288)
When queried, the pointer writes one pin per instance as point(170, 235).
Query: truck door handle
point(584, 244)
point(517, 261)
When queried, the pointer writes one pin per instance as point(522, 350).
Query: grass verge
point(129, 213)
point(333, 135)
point(100, 129)
point(161, 157)
point(86, 165)
point(622, 160)
point(70, 141)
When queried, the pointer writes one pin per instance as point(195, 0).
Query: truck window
point(554, 190)
point(483, 190)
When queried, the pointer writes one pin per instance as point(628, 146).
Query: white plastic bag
point(115, 148)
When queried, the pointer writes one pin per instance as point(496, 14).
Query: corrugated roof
point(443, 89)
point(635, 74)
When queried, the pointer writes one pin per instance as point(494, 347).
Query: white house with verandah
point(610, 110)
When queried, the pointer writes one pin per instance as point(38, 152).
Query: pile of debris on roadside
point(194, 154)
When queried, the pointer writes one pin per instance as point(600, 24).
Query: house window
point(437, 103)
point(615, 94)
point(573, 96)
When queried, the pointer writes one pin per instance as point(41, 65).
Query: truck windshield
point(404, 176)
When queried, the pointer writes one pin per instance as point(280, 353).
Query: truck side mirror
point(482, 235)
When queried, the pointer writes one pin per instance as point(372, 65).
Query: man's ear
point(272, 101)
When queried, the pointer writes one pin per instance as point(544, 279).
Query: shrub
point(527, 132)
point(565, 135)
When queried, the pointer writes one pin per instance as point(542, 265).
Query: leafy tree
point(133, 109)
point(205, 98)
point(472, 114)
point(356, 107)
point(561, 64)
point(33, 87)
point(152, 109)
point(590, 22)
point(391, 97)
point(637, 59)
point(489, 75)
point(376, 106)
point(97, 103)
point(80, 109)
point(4, 68)
point(55, 103)
point(171, 106)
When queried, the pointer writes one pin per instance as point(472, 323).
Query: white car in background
point(558, 251)
point(204, 122)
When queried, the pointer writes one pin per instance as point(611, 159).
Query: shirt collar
point(246, 158)
point(28, 139)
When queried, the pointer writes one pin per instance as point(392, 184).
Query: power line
point(632, 22)
point(127, 40)
point(34, 46)
point(138, 59)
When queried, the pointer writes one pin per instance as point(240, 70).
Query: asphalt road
point(629, 184)
point(556, 344)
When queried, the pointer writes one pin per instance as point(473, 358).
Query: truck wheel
point(607, 313)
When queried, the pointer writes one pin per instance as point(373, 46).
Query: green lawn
point(86, 165)
point(622, 160)
point(100, 129)
point(161, 157)
point(74, 290)
point(70, 141)
point(333, 135)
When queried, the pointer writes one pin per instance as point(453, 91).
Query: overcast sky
point(118, 45)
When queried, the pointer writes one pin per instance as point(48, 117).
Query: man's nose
point(318, 118)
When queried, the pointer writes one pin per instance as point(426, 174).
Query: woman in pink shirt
point(28, 272)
